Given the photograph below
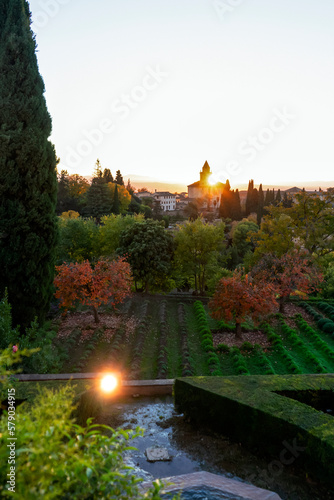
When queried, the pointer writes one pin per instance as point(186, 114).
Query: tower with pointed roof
point(203, 190)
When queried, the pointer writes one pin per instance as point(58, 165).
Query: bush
point(223, 348)
point(48, 357)
point(59, 459)
point(247, 346)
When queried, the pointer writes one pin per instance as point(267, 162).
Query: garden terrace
point(164, 337)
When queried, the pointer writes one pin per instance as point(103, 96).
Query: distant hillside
point(154, 184)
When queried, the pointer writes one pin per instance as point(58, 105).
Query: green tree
point(98, 174)
point(243, 239)
point(226, 201)
point(78, 240)
point(119, 178)
point(28, 188)
point(149, 249)
point(235, 212)
point(71, 192)
point(98, 200)
point(307, 224)
point(197, 250)
point(260, 208)
point(107, 176)
point(130, 188)
point(157, 211)
point(107, 239)
point(191, 210)
point(287, 201)
point(115, 205)
point(249, 200)
point(275, 235)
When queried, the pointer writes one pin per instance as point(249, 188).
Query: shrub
point(69, 461)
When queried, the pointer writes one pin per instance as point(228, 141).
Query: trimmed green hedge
point(249, 411)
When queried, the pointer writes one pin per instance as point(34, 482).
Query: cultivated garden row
point(159, 337)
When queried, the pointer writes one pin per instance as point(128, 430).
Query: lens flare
point(109, 383)
point(212, 180)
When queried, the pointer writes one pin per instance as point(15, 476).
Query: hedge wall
point(249, 411)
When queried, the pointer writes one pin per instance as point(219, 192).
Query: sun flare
point(212, 180)
point(109, 383)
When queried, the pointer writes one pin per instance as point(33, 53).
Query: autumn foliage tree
point(291, 274)
point(106, 282)
point(236, 298)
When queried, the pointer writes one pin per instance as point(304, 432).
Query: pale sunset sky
point(156, 87)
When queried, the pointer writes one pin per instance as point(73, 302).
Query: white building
point(167, 200)
point(144, 194)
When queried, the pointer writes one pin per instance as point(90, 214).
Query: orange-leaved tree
point(237, 298)
point(291, 274)
point(106, 282)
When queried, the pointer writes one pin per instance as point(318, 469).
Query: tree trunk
point(281, 302)
point(238, 330)
point(96, 316)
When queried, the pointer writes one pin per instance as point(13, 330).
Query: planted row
point(88, 349)
point(325, 324)
point(295, 340)
point(281, 350)
point(187, 370)
point(239, 362)
point(138, 342)
point(314, 337)
point(206, 338)
point(163, 333)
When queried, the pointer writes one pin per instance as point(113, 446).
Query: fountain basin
point(205, 485)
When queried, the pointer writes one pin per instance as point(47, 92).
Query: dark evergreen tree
point(249, 202)
point(63, 198)
point(129, 188)
point(236, 213)
point(107, 176)
point(267, 198)
point(116, 205)
point(287, 201)
point(98, 174)
point(98, 200)
point(119, 178)
point(226, 201)
point(278, 198)
point(260, 206)
point(255, 201)
point(157, 210)
point(28, 186)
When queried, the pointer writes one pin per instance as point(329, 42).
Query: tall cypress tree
point(249, 199)
point(116, 205)
point(235, 205)
point(28, 179)
point(260, 209)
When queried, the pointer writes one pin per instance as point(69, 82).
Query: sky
point(154, 88)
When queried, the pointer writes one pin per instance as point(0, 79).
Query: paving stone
point(157, 455)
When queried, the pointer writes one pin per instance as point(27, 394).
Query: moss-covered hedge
point(249, 411)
